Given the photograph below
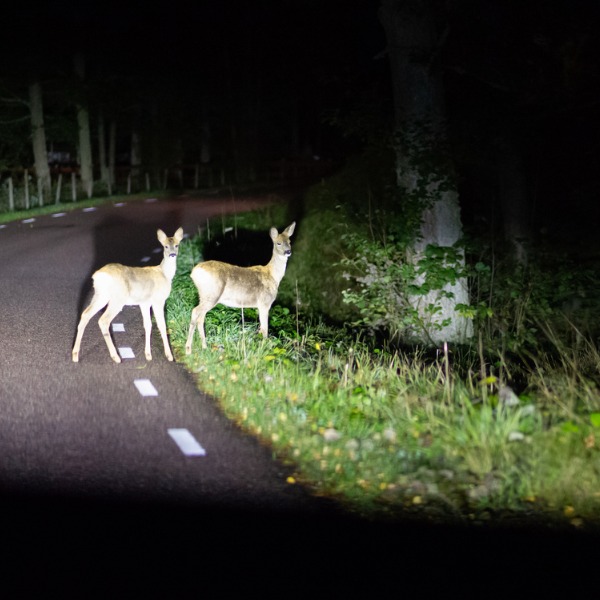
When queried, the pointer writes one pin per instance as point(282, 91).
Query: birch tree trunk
point(85, 142)
point(424, 172)
point(38, 136)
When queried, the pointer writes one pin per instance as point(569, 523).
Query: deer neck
point(168, 266)
point(277, 267)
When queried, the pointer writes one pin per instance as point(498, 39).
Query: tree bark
point(38, 136)
point(85, 142)
point(104, 170)
point(424, 172)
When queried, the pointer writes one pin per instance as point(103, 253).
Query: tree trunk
point(38, 135)
point(112, 152)
point(424, 172)
point(205, 141)
point(104, 171)
point(85, 142)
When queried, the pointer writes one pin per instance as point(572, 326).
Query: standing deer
point(240, 287)
point(119, 286)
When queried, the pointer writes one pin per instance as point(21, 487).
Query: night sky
point(524, 71)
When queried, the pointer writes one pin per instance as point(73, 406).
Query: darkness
point(521, 80)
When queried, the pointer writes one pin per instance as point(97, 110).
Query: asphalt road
point(94, 492)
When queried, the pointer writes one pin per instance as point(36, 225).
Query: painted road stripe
point(2, 226)
point(126, 352)
point(90, 209)
point(145, 387)
point(187, 442)
point(118, 327)
point(145, 259)
point(28, 220)
point(56, 215)
point(119, 204)
point(157, 250)
point(150, 200)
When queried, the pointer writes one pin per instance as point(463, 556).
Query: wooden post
point(26, 182)
point(11, 195)
point(196, 176)
point(166, 180)
point(73, 187)
point(58, 189)
point(147, 182)
point(129, 183)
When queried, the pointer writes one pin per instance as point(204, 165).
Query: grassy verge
point(394, 433)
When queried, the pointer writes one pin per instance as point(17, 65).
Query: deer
point(240, 287)
point(116, 286)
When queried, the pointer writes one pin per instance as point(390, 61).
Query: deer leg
point(197, 321)
point(104, 322)
point(145, 310)
point(159, 315)
point(263, 316)
point(192, 329)
point(94, 306)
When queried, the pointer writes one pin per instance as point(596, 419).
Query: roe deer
point(240, 287)
point(119, 286)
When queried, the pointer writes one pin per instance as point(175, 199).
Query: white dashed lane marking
point(90, 209)
point(126, 352)
point(118, 327)
point(28, 220)
point(187, 442)
point(145, 259)
point(57, 215)
point(145, 387)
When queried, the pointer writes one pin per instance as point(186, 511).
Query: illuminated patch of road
point(187, 442)
point(145, 387)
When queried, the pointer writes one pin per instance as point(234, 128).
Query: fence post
point(58, 188)
point(73, 186)
point(11, 195)
point(26, 182)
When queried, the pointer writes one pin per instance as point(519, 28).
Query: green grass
point(392, 433)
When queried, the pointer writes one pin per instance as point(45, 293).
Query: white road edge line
point(187, 442)
point(145, 387)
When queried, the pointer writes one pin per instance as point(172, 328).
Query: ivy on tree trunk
point(424, 172)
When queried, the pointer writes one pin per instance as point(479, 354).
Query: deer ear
point(178, 235)
point(290, 229)
point(273, 233)
point(161, 235)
